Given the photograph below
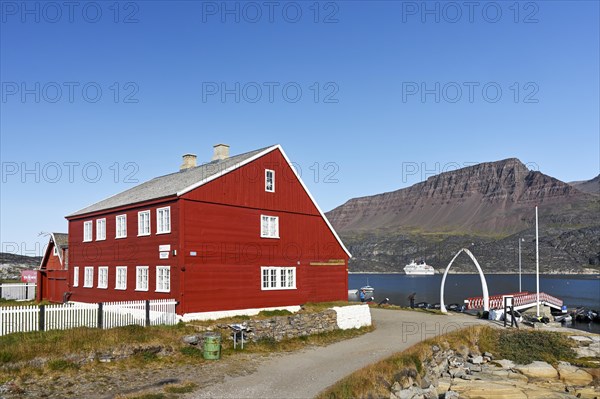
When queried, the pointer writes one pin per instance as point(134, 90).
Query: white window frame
point(269, 185)
point(88, 277)
point(163, 225)
point(121, 231)
point(161, 285)
point(139, 272)
point(277, 278)
point(54, 250)
point(87, 231)
point(76, 276)
point(103, 277)
point(141, 224)
point(269, 226)
point(121, 278)
point(101, 229)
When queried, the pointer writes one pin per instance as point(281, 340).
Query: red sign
point(29, 276)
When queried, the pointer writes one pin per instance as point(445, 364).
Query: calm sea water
point(573, 290)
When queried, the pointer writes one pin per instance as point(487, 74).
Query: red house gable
point(243, 232)
point(53, 271)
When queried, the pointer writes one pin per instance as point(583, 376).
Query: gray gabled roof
point(61, 240)
point(171, 184)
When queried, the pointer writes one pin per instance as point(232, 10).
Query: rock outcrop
point(470, 375)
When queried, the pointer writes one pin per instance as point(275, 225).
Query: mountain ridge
point(482, 203)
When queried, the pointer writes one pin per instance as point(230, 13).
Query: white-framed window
point(103, 277)
point(163, 278)
point(55, 250)
point(100, 229)
point(121, 278)
point(278, 278)
point(163, 220)
point(121, 221)
point(76, 276)
point(88, 277)
point(269, 226)
point(141, 278)
point(144, 223)
point(87, 231)
point(270, 180)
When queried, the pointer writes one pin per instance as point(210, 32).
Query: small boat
point(563, 318)
point(367, 288)
point(455, 307)
point(585, 315)
point(436, 306)
point(422, 305)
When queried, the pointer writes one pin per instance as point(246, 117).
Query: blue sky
point(375, 96)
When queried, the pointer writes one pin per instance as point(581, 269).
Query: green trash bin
point(212, 346)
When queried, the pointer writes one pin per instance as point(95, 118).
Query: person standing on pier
point(411, 299)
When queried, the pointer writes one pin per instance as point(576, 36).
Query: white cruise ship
point(419, 269)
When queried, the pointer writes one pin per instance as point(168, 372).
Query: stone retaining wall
point(301, 324)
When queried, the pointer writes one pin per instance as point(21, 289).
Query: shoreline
point(597, 275)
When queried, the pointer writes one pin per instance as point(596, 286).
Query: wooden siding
point(52, 278)
point(131, 251)
point(222, 227)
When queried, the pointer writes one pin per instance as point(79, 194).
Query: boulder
point(505, 364)
point(476, 360)
point(587, 393)
point(539, 370)
point(415, 393)
point(593, 350)
point(487, 390)
point(581, 338)
point(191, 339)
point(451, 395)
point(573, 376)
point(443, 385)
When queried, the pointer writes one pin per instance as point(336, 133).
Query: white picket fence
point(94, 315)
point(18, 291)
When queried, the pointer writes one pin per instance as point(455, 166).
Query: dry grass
point(59, 343)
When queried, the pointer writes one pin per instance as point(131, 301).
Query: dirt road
point(306, 373)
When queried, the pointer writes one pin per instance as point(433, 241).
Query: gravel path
point(306, 373)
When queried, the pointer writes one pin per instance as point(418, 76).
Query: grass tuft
point(62, 365)
point(187, 388)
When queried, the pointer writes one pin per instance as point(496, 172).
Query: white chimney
point(189, 161)
point(221, 152)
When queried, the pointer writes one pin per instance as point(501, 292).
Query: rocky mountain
point(12, 264)
point(487, 207)
point(588, 186)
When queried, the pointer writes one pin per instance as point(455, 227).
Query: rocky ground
point(104, 381)
point(468, 374)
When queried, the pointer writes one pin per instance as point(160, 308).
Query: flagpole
point(537, 262)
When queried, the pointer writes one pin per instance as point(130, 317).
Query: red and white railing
point(519, 299)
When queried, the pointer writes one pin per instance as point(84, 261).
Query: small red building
point(52, 275)
point(237, 233)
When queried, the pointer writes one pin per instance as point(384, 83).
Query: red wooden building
point(52, 275)
point(239, 232)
